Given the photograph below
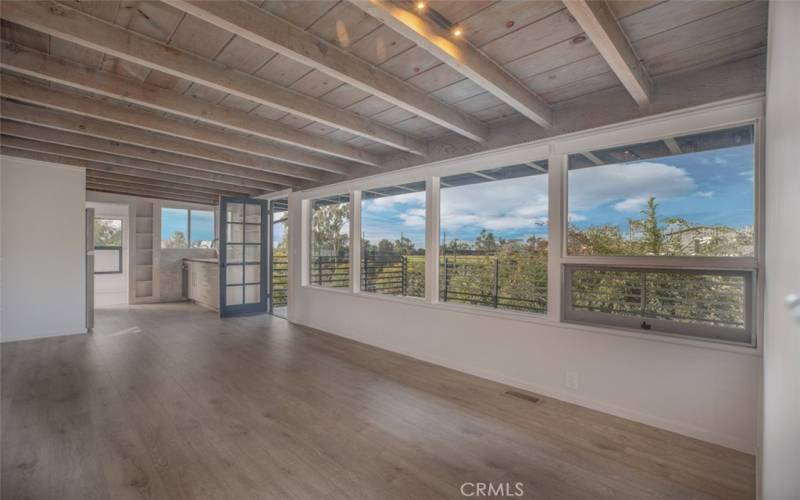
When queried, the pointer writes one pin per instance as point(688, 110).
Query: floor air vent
point(522, 395)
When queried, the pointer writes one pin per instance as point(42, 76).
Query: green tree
point(647, 230)
point(176, 240)
point(404, 246)
point(386, 246)
point(326, 227)
point(486, 242)
point(108, 232)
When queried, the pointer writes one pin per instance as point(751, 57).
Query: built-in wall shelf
point(145, 252)
point(144, 289)
point(144, 225)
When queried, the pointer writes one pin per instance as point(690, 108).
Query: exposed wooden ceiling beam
point(235, 163)
point(143, 181)
point(598, 21)
point(18, 89)
point(83, 154)
point(54, 136)
point(92, 180)
point(270, 31)
point(145, 175)
point(152, 194)
point(461, 56)
point(35, 64)
point(74, 26)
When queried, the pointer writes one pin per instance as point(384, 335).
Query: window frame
point(359, 285)
point(189, 211)
point(742, 264)
point(354, 251)
point(729, 113)
point(660, 326)
point(119, 248)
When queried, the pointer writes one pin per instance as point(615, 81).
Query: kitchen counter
point(213, 260)
point(203, 281)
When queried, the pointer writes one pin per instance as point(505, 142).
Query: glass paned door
point(244, 245)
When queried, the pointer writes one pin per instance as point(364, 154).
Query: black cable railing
point(331, 272)
point(393, 274)
point(518, 283)
point(280, 280)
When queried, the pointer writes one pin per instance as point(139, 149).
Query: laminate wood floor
point(170, 402)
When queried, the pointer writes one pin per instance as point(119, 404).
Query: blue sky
point(175, 219)
point(711, 187)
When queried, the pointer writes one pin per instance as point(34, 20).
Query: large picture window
point(393, 240)
point(330, 241)
point(659, 235)
point(187, 228)
point(686, 198)
point(494, 241)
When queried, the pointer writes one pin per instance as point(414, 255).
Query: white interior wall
point(700, 389)
point(781, 419)
point(43, 249)
point(112, 289)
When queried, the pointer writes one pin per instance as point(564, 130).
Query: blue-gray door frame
point(263, 305)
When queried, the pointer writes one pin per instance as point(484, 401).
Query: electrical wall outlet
point(572, 380)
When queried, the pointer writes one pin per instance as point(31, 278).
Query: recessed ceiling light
point(420, 5)
point(457, 31)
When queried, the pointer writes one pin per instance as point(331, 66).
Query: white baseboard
point(37, 336)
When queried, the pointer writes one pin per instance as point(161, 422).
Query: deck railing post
point(445, 280)
point(403, 274)
point(364, 271)
point(496, 280)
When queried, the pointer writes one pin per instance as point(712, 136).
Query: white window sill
point(541, 319)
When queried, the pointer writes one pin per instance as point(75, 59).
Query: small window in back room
point(108, 238)
point(187, 228)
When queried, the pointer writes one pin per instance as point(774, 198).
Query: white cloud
point(576, 217)
point(631, 204)
point(390, 202)
point(521, 203)
point(497, 206)
point(414, 217)
point(705, 194)
point(627, 186)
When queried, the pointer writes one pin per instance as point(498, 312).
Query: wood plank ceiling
point(191, 100)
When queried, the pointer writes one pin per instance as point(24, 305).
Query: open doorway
point(111, 247)
point(279, 257)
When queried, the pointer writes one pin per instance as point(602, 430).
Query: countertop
point(207, 260)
